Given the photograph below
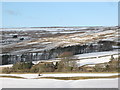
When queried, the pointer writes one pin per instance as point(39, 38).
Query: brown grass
point(80, 78)
point(12, 77)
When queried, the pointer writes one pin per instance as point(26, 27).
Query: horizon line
point(60, 26)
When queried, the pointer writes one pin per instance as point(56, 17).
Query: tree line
point(65, 65)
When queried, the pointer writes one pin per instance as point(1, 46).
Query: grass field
point(80, 78)
point(17, 77)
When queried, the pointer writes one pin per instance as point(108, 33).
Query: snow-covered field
point(59, 29)
point(52, 83)
point(96, 57)
point(2, 66)
point(96, 54)
point(33, 76)
point(94, 61)
point(91, 58)
point(31, 81)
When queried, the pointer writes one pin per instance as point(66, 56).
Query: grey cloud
point(11, 12)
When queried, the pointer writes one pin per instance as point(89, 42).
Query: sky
point(47, 14)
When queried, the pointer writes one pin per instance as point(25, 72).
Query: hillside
point(43, 43)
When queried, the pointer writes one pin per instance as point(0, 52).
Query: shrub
point(22, 65)
point(34, 69)
point(7, 70)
